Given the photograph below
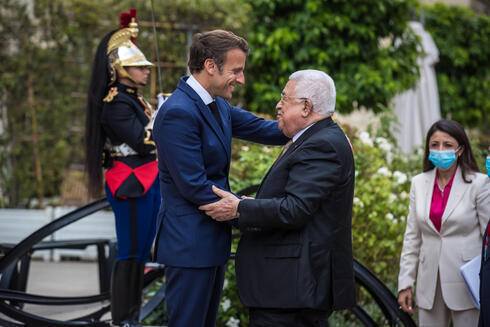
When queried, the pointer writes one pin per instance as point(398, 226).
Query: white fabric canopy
point(418, 108)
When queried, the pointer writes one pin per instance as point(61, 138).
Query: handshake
point(224, 209)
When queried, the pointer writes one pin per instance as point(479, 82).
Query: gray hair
point(316, 86)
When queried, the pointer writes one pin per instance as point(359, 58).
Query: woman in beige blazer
point(449, 210)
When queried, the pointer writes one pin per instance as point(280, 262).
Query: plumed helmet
point(122, 50)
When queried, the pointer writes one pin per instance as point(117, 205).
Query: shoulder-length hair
point(466, 160)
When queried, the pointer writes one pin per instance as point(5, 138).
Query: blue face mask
point(443, 159)
point(488, 166)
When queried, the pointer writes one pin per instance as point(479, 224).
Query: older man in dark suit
point(294, 261)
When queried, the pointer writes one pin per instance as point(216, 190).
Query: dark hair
point(94, 135)
point(213, 45)
point(466, 160)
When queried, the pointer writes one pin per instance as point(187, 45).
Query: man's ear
point(210, 66)
point(308, 108)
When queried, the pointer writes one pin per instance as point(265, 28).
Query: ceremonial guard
point(119, 138)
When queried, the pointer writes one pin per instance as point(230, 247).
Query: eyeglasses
point(285, 98)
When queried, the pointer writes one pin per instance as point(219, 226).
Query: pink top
point(439, 201)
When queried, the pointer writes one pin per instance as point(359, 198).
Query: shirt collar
point(200, 90)
point(297, 135)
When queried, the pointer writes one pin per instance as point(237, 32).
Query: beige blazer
point(426, 251)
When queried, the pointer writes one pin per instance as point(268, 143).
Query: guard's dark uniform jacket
point(132, 163)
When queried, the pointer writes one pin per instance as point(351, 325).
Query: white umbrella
point(418, 108)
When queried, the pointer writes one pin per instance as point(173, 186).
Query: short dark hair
point(213, 45)
point(466, 160)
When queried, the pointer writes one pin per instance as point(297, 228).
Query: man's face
point(224, 81)
point(290, 111)
point(139, 74)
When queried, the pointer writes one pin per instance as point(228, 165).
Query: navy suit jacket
point(193, 154)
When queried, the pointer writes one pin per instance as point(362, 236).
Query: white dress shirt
point(297, 135)
point(200, 90)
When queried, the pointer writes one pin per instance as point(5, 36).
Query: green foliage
point(353, 41)
point(380, 204)
point(157, 316)
point(463, 71)
point(250, 163)
point(480, 151)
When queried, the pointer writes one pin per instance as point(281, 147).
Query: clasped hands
point(224, 209)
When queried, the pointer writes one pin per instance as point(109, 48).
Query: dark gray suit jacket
point(296, 247)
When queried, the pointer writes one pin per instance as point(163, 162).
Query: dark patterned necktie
point(285, 149)
point(215, 111)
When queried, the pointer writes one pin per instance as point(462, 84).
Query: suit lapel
point(327, 122)
point(429, 189)
point(458, 189)
point(225, 120)
point(208, 116)
point(312, 130)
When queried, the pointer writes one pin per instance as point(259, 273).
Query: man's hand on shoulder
point(224, 209)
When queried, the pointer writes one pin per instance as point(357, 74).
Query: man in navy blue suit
point(193, 132)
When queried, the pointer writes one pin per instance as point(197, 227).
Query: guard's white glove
point(161, 99)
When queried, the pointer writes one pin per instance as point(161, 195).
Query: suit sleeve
point(125, 125)
point(315, 172)
point(247, 126)
point(179, 141)
point(411, 246)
